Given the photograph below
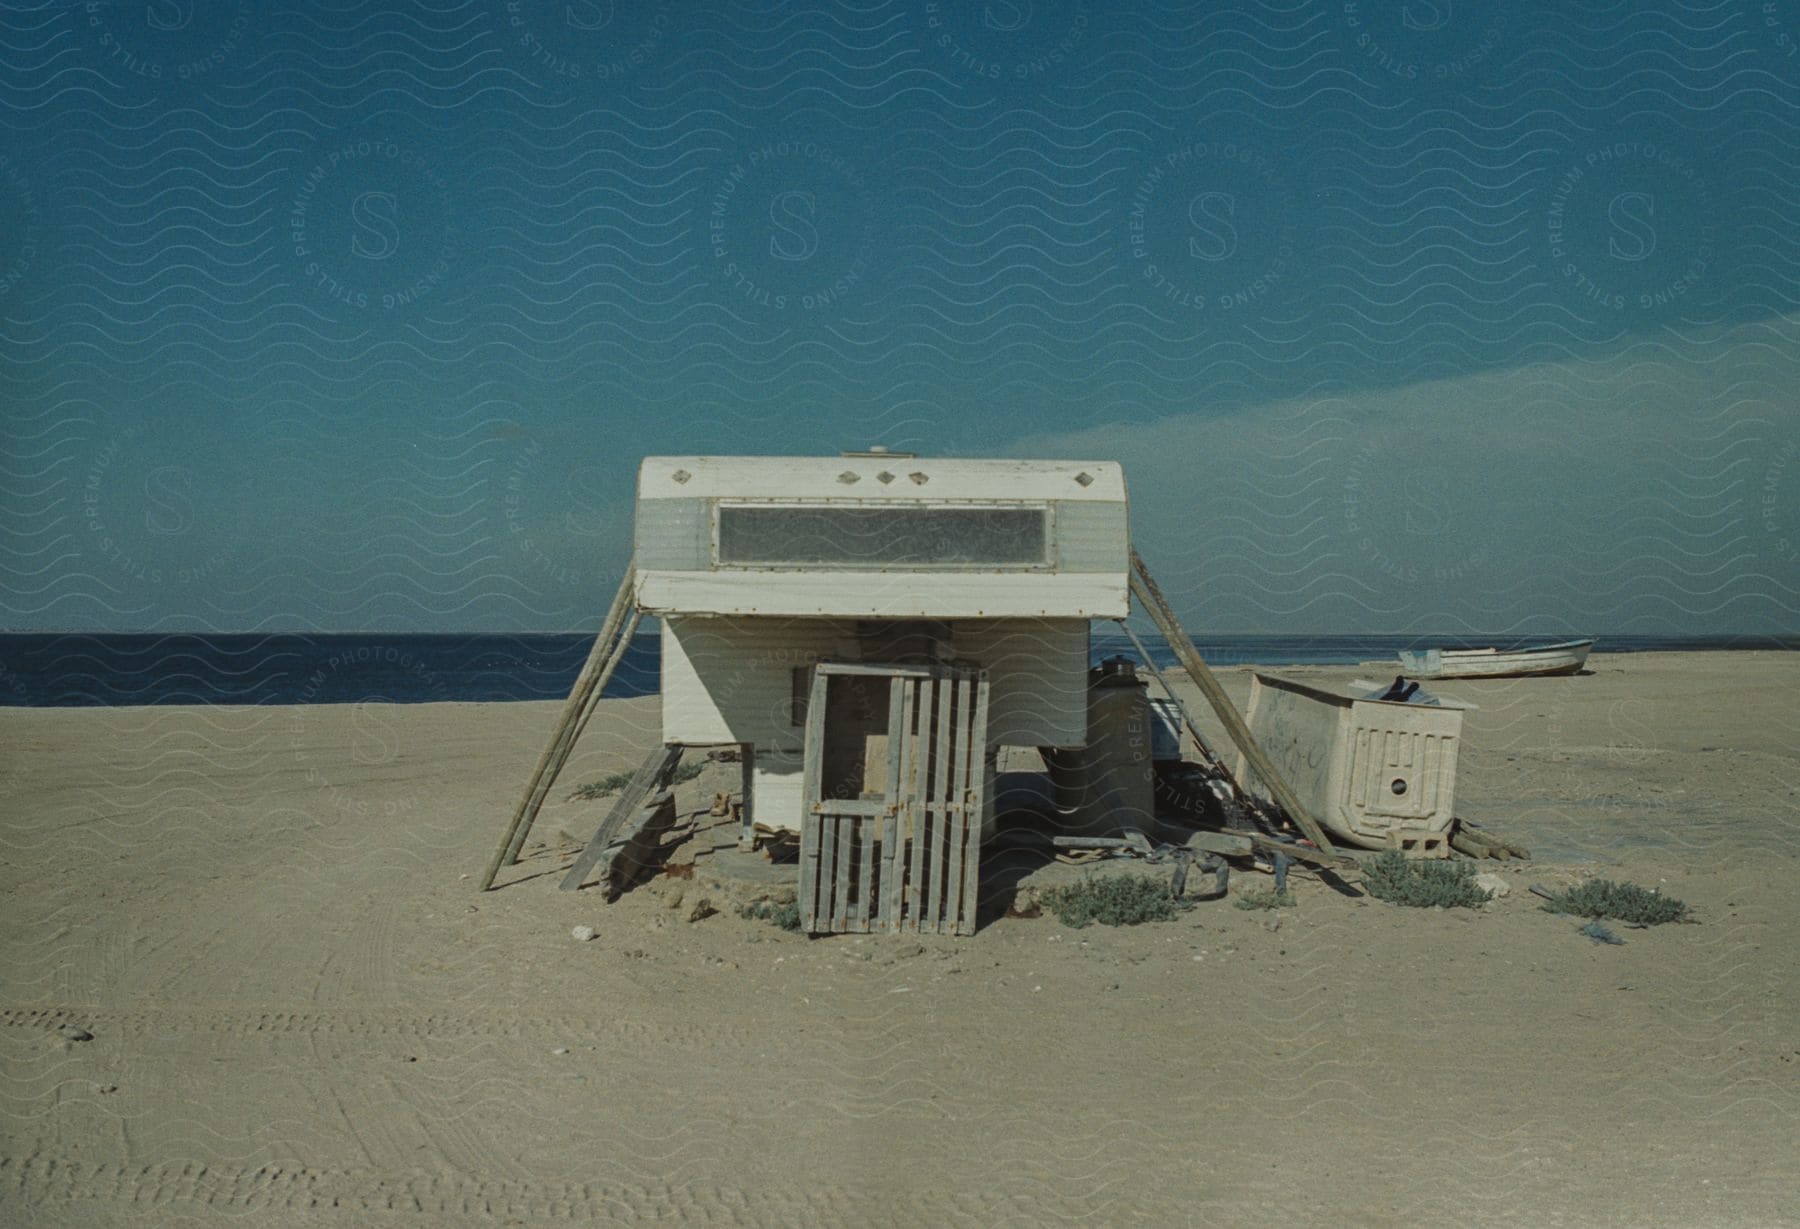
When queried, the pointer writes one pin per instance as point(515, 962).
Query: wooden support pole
point(574, 721)
point(747, 790)
point(621, 645)
point(570, 735)
point(603, 658)
point(1160, 613)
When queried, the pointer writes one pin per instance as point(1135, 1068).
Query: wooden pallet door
point(907, 856)
point(940, 815)
point(914, 691)
point(853, 776)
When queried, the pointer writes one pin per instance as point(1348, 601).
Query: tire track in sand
point(354, 1025)
point(37, 1180)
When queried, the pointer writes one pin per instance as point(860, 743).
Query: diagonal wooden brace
point(653, 777)
point(1160, 613)
point(609, 649)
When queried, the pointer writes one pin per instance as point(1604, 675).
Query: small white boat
point(1564, 658)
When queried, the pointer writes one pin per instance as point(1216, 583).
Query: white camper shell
point(764, 568)
point(882, 536)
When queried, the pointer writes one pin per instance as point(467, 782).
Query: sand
point(302, 1014)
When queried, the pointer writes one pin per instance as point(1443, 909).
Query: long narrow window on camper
point(883, 536)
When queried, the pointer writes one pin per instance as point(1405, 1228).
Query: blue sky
point(1402, 317)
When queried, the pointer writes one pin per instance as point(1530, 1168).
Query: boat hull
point(1566, 658)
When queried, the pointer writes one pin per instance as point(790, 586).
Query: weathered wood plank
point(848, 667)
point(603, 658)
point(865, 872)
point(972, 796)
point(1144, 586)
point(876, 831)
point(922, 811)
point(837, 868)
point(1221, 842)
point(583, 698)
point(634, 850)
point(854, 806)
point(943, 780)
point(977, 812)
point(958, 827)
point(654, 774)
point(825, 871)
point(857, 848)
point(901, 823)
point(1477, 844)
point(813, 819)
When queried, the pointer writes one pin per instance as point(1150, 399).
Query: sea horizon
point(116, 669)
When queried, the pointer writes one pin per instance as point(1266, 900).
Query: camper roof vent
point(878, 450)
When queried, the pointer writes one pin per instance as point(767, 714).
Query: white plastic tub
point(1378, 774)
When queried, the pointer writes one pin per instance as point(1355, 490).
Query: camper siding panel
point(674, 535)
point(1037, 672)
point(1091, 537)
point(731, 680)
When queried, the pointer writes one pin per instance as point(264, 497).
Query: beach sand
point(303, 1014)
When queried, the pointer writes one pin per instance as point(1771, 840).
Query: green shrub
point(787, 916)
point(613, 782)
point(1624, 902)
point(1114, 900)
point(1263, 898)
point(1393, 877)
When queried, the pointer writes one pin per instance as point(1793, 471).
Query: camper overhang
point(881, 595)
point(882, 536)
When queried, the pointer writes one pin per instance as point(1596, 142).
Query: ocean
point(88, 669)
